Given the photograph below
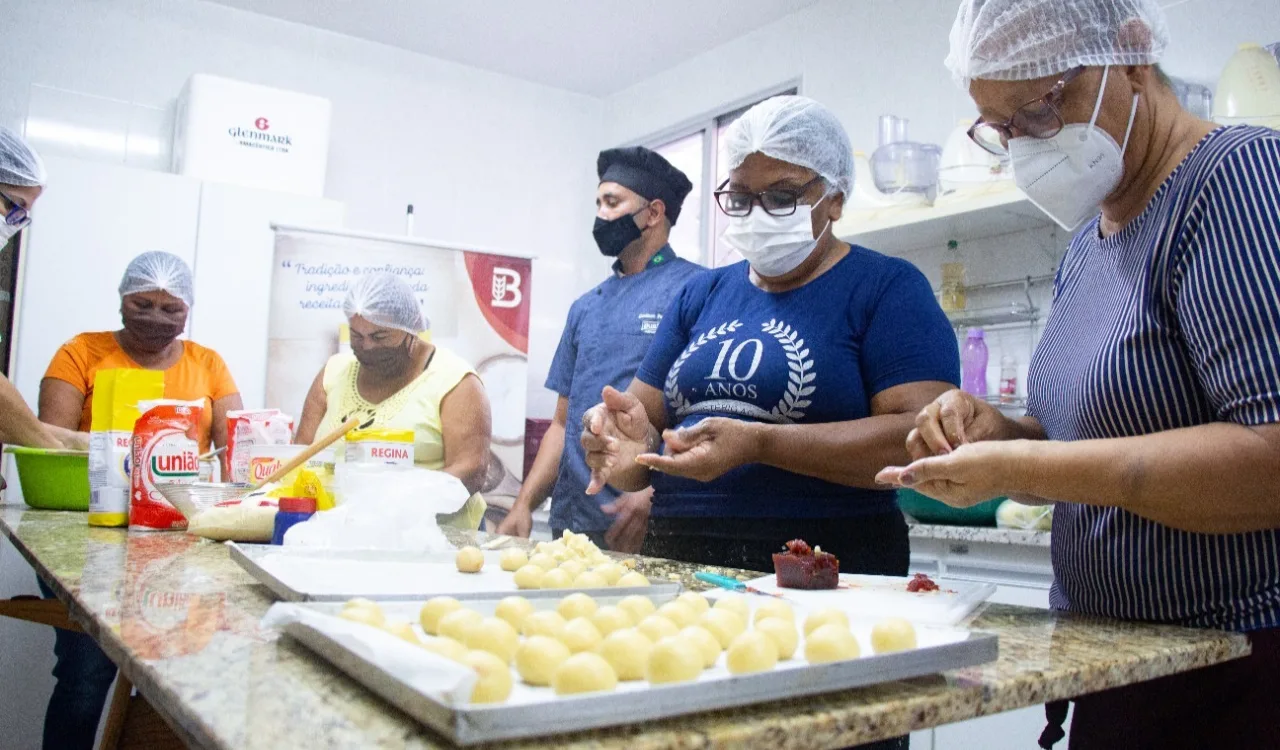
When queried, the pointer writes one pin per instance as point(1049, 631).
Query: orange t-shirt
point(198, 375)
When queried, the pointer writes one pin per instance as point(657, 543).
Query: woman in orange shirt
point(155, 297)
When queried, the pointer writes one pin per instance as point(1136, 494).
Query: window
point(697, 150)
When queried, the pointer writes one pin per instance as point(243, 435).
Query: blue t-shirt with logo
point(814, 354)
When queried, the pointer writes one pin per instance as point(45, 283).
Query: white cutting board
point(878, 597)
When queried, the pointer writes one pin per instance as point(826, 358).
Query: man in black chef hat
point(606, 336)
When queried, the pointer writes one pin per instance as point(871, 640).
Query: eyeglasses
point(16, 216)
point(1038, 118)
point(774, 201)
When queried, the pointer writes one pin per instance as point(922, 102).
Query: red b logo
point(261, 123)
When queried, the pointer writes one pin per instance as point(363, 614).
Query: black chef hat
point(648, 174)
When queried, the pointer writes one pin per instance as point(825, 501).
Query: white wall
point(485, 159)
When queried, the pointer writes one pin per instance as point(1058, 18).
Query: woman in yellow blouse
point(407, 384)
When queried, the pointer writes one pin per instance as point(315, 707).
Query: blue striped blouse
point(1172, 322)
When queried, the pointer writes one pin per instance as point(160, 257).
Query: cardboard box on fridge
point(256, 136)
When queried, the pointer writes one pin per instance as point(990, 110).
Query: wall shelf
point(986, 317)
point(962, 216)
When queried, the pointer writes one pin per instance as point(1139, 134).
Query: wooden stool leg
point(116, 715)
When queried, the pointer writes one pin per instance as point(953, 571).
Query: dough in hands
point(830, 642)
point(495, 635)
point(893, 634)
point(458, 623)
point(584, 673)
point(639, 607)
point(627, 651)
point(514, 609)
point(538, 657)
point(752, 651)
point(673, 659)
point(434, 609)
point(826, 616)
point(469, 560)
point(494, 685)
point(784, 635)
point(513, 559)
point(577, 605)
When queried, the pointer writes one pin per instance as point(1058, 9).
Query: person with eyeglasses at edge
point(1153, 414)
point(608, 332)
point(777, 387)
point(22, 180)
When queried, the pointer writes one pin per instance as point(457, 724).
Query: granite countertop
point(183, 621)
point(979, 534)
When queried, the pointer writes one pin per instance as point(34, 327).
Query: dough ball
point(495, 680)
point(556, 578)
point(513, 559)
point(657, 627)
point(446, 647)
point(774, 608)
point(538, 657)
point(694, 601)
point(673, 660)
point(826, 616)
point(495, 635)
point(580, 635)
point(576, 605)
point(514, 609)
point(632, 579)
point(784, 635)
point(679, 613)
point(735, 603)
point(364, 616)
point(752, 651)
point(434, 609)
point(639, 607)
point(724, 624)
point(584, 673)
point(611, 571)
point(543, 622)
point(403, 631)
point(608, 619)
point(590, 580)
point(708, 645)
point(830, 642)
point(627, 651)
point(543, 560)
point(574, 568)
point(529, 577)
point(458, 623)
point(894, 634)
point(469, 560)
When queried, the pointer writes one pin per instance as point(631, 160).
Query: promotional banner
point(477, 305)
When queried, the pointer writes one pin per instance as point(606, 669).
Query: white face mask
point(8, 230)
point(1068, 176)
point(774, 245)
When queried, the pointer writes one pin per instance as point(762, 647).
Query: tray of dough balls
point(573, 562)
point(509, 667)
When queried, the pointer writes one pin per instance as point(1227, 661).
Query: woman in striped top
point(1154, 396)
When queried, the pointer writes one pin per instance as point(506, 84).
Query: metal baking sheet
point(538, 712)
point(298, 574)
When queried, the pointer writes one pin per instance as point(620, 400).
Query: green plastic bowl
point(927, 510)
point(52, 479)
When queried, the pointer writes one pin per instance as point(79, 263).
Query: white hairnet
point(19, 164)
point(158, 271)
point(1018, 40)
point(386, 300)
point(797, 130)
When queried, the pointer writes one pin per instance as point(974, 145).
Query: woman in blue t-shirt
point(781, 385)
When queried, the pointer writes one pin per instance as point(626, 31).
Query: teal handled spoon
point(733, 584)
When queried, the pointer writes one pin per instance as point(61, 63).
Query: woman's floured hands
point(614, 432)
point(968, 475)
point(954, 419)
point(706, 450)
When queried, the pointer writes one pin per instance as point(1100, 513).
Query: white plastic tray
point(876, 597)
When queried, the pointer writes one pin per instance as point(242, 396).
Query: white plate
point(877, 597)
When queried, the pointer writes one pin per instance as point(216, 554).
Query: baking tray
point(867, 596)
point(537, 712)
point(301, 574)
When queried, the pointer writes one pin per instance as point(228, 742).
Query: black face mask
point(386, 360)
point(613, 235)
point(153, 331)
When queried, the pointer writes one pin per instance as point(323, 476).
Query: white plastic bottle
point(1008, 379)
